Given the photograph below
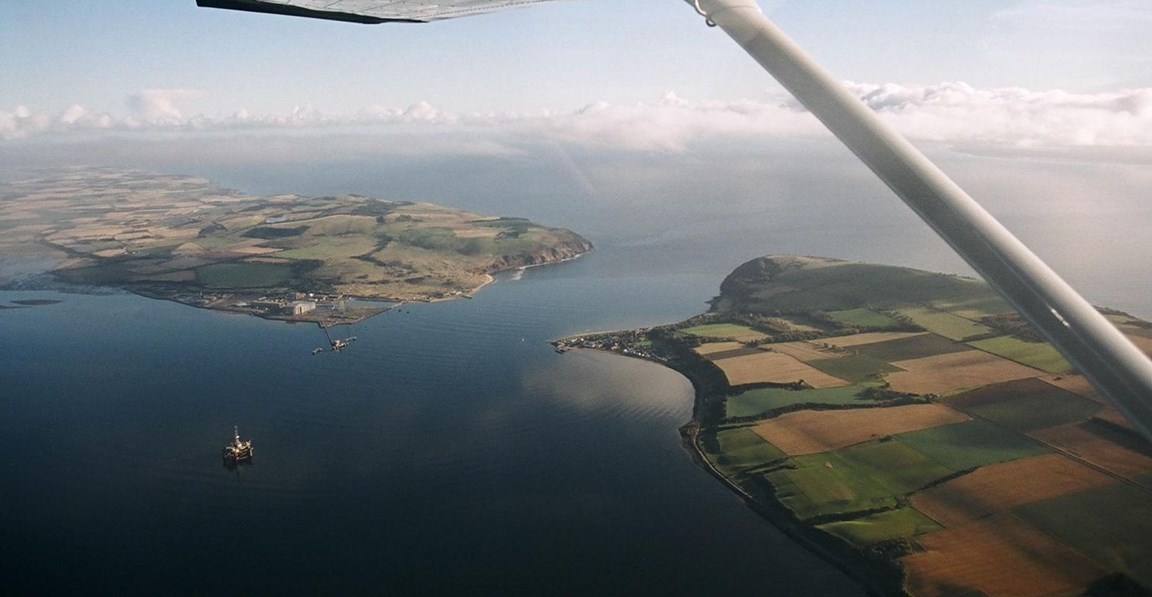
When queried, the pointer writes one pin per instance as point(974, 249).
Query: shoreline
point(368, 312)
point(870, 574)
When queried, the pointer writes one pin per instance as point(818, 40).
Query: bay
point(450, 451)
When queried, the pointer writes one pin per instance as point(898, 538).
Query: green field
point(1025, 405)
point(762, 400)
point(863, 318)
point(1040, 355)
point(855, 368)
point(739, 333)
point(914, 347)
point(874, 474)
point(331, 248)
point(945, 324)
point(882, 526)
point(740, 449)
point(861, 477)
point(809, 492)
point(963, 446)
point(244, 275)
point(1112, 525)
point(974, 308)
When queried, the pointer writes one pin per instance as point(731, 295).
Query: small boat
point(238, 451)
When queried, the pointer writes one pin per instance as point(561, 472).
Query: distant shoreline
point(282, 257)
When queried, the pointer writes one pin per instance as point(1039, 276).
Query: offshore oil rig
point(238, 451)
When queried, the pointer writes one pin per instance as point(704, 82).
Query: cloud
point(945, 112)
point(955, 112)
point(158, 106)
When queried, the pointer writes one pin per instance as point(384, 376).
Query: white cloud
point(945, 112)
point(158, 106)
point(955, 112)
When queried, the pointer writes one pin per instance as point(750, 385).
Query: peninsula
point(283, 257)
point(911, 428)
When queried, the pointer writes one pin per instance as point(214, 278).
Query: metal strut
point(1094, 346)
point(700, 11)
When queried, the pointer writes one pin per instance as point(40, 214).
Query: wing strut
point(1113, 364)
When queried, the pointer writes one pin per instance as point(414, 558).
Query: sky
point(634, 74)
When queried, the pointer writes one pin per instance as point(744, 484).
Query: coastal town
point(633, 343)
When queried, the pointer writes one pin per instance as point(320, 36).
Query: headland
point(911, 428)
point(285, 257)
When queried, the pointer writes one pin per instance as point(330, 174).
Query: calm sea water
point(450, 451)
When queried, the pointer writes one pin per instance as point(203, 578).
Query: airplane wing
point(1108, 359)
point(371, 11)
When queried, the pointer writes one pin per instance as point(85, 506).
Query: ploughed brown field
point(773, 367)
point(811, 431)
point(946, 373)
point(803, 351)
point(1000, 487)
point(1099, 445)
point(999, 555)
point(867, 338)
point(715, 347)
point(1077, 384)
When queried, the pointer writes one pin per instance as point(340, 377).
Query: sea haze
point(450, 450)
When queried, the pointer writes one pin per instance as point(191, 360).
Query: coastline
point(364, 314)
point(282, 257)
point(871, 576)
point(870, 573)
point(996, 435)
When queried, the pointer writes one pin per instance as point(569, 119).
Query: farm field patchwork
point(801, 351)
point(913, 346)
point(1103, 446)
point(773, 367)
point(965, 446)
point(715, 347)
point(1040, 355)
point(854, 479)
point(852, 340)
point(948, 373)
point(1122, 537)
point(856, 368)
point(739, 333)
point(999, 555)
point(1001, 487)
point(739, 449)
point(945, 324)
point(762, 400)
point(982, 469)
point(811, 432)
point(183, 239)
point(1025, 405)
